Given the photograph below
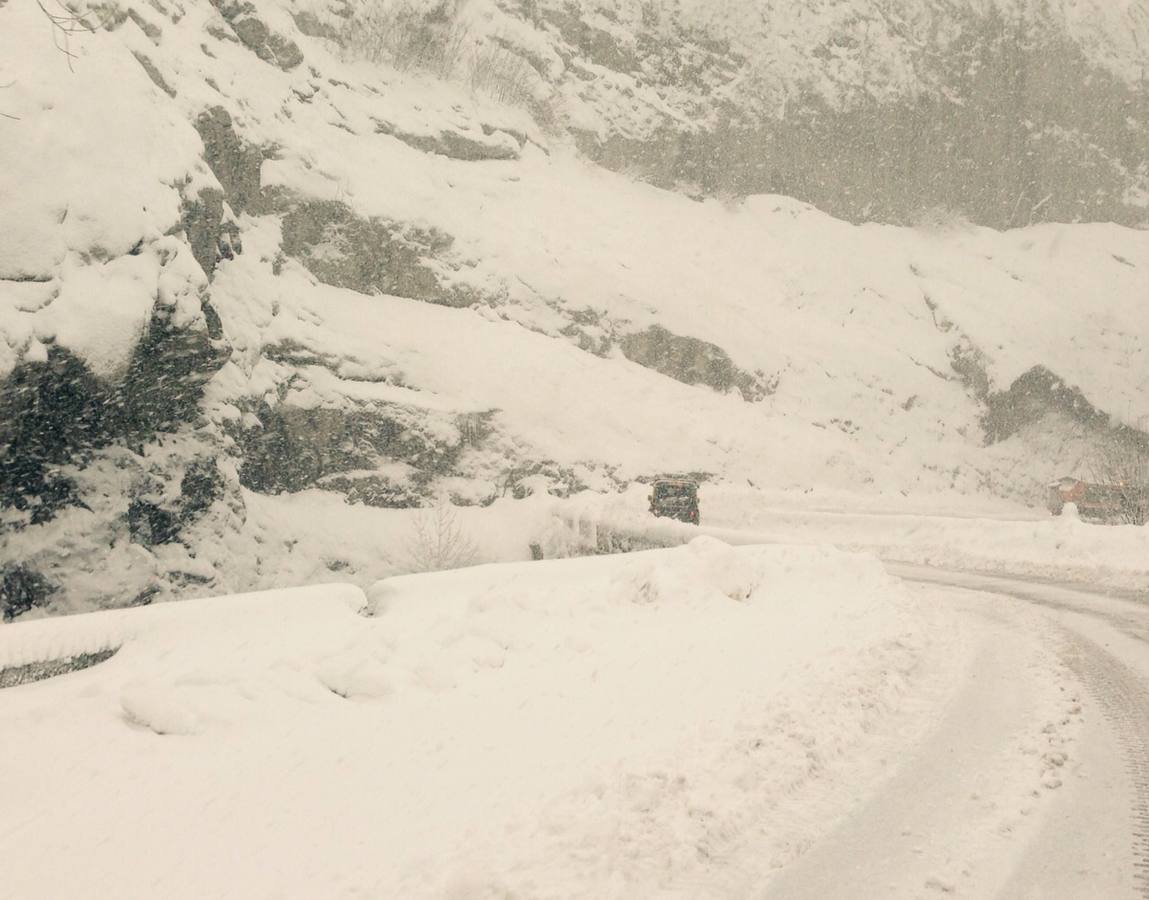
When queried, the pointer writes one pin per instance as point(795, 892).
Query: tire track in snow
point(1125, 615)
point(1124, 700)
point(1121, 692)
point(951, 817)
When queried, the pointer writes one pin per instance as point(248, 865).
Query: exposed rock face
point(691, 361)
point(50, 414)
point(235, 163)
point(212, 234)
point(1004, 113)
point(56, 412)
point(490, 144)
point(154, 74)
point(152, 521)
point(1032, 396)
point(202, 485)
point(296, 448)
point(150, 473)
point(309, 24)
point(272, 48)
point(22, 589)
point(150, 524)
point(369, 255)
point(597, 45)
point(212, 238)
point(165, 378)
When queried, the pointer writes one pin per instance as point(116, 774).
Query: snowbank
point(608, 727)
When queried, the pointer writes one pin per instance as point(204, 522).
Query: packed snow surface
point(664, 723)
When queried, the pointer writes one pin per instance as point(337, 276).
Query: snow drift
point(603, 727)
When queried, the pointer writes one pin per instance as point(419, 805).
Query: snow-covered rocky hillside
point(268, 267)
point(1007, 111)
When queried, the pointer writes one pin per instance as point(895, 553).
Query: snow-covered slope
point(240, 260)
point(1007, 112)
point(892, 33)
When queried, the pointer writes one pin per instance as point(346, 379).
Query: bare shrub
point(501, 75)
point(65, 24)
point(1123, 468)
point(417, 35)
point(438, 542)
point(410, 34)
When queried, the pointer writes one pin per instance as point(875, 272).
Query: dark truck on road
point(675, 499)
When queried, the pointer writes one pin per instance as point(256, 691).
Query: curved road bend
point(993, 804)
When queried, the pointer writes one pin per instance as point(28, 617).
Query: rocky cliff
point(263, 268)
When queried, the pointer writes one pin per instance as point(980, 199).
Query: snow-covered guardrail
point(582, 528)
point(32, 651)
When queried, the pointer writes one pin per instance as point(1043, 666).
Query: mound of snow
point(546, 728)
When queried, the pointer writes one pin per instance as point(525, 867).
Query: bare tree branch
point(64, 25)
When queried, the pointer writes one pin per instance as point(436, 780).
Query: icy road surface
point(946, 824)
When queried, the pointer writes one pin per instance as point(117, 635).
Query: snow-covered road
point(956, 818)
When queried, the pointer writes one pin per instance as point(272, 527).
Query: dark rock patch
point(371, 256)
point(295, 448)
point(202, 485)
point(1031, 396)
point(153, 32)
point(220, 33)
point(272, 48)
point(235, 163)
point(51, 414)
point(212, 238)
point(56, 413)
point(309, 24)
point(150, 524)
point(458, 145)
point(22, 589)
point(165, 379)
point(561, 481)
point(594, 44)
point(692, 361)
point(969, 364)
point(375, 490)
point(154, 74)
point(1039, 392)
